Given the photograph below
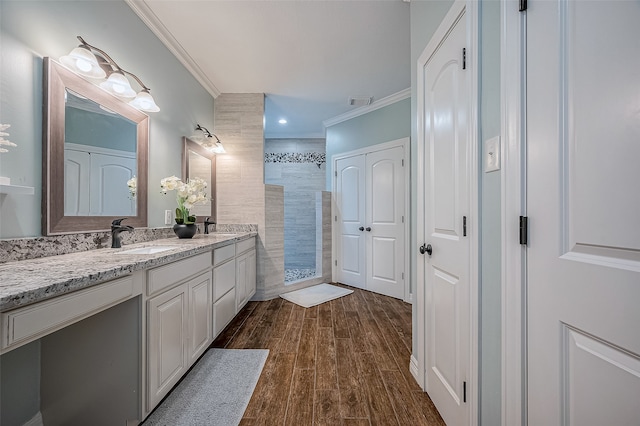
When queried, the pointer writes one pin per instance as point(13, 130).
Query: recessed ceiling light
point(282, 121)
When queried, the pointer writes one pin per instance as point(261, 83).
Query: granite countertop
point(29, 281)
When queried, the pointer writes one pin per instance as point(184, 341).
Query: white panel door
point(583, 204)
point(109, 191)
point(350, 203)
point(384, 222)
point(76, 182)
point(446, 202)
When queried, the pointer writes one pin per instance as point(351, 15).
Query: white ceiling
point(307, 56)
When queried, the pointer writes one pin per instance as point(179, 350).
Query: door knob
point(361, 228)
point(368, 229)
point(426, 249)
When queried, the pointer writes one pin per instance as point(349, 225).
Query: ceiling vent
point(360, 101)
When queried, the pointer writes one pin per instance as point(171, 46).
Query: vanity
point(120, 326)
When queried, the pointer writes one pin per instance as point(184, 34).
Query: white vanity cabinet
point(179, 324)
point(140, 332)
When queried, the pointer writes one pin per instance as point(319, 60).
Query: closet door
point(350, 202)
point(109, 191)
point(384, 222)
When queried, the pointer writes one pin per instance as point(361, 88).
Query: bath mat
point(215, 392)
point(315, 295)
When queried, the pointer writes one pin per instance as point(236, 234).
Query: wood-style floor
point(345, 362)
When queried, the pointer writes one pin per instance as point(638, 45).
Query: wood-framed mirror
point(93, 143)
point(197, 161)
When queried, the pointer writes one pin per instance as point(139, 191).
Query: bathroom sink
point(147, 250)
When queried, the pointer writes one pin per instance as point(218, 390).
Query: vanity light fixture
point(282, 121)
point(206, 140)
point(83, 61)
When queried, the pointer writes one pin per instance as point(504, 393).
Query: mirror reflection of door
point(100, 157)
point(200, 166)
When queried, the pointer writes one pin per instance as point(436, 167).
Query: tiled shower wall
point(299, 165)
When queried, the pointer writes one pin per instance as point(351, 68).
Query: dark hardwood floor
point(345, 362)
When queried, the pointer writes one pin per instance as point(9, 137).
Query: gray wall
point(490, 277)
point(31, 30)
point(287, 163)
point(382, 125)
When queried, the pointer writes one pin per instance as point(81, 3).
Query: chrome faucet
point(206, 225)
point(116, 229)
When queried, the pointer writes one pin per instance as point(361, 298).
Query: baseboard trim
point(413, 368)
point(35, 420)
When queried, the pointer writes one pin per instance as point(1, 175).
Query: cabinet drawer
point(245, 245)
point(168, 275)
point(223, 311)
point(224, 279)
point(23, 325)
point(223, 254)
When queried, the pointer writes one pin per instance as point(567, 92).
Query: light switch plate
point(167, 217)
point(492, 154)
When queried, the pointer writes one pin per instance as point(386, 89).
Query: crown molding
point(391, 99)
point(150, 19)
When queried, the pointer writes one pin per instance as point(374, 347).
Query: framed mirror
point(93, 144)
point(198, 161)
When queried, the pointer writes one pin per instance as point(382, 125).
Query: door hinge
point(402, 219)
point(335, 218)
point(335, 262)
point(524, 230)
point(403, 275)
point(464, 226)
point(523, 5)
point(335, 173)
point(464, 391)
point(464, 58)
point(402, 162)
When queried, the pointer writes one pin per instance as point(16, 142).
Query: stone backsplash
point(33, 248)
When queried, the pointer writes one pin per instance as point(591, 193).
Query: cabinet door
point(241, 281)
point(200, 301)
point(245, 277)
point(167, 331)
point(251, 274)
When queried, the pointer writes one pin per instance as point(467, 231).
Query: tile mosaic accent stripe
point(317, 158)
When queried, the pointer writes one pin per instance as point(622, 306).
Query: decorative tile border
point(318, 158)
